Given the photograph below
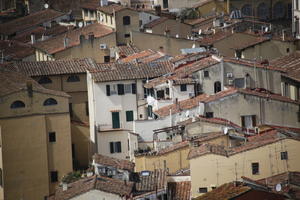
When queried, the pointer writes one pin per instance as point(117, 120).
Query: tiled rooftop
point(58, 67)
point(113, 162)
point(143, 56)
point(180, 190)
point(253, 143)
point(12, 81)
point(127, 50)
point(15, 50)
point(91, 5)
point(155, 22)
point(290, 63)
point(56, 44)
point(28, 21)
point(109, 185)
point(194, 102)
point(110, 9)
point(129, 71)
point(155, 180)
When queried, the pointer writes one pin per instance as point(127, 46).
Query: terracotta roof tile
point(56, 44)
point(180, 190)
point(290, 63)
point(12, 81)
point(28, 21)
point(110, 9)
point(91, 5)
point(128, 71)
point(137, 55)
point(127, 50)
point(210, 39)
point(114, 162)
point(173, 148)
point(15, 50)
point(156, 179)
point(105, 184)
point(155, 22)
point(58, 67)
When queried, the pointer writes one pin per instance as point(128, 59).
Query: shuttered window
point(120, 89)
point(107, 90)
point(129, 116)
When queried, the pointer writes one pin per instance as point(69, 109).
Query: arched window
point(17, 104)
point(278, 10)
point(262, 11)
point(73, 78)
point(44, 80)
point(126, 20)
point(217, 86)
point(50, 102)
point(247, 10)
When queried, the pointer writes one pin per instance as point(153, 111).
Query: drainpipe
point(222, 74)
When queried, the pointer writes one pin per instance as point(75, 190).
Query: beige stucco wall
point(170, 45)
point(214, 170)
point(175, 27)
point(269, 50)
point(86, 49)
point(175, 161)
point(212, 7)
point(27, 155)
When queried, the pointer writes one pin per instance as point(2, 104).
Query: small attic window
point(73, 78)
point(50, 102)
point(17, 104)
point(44, 80)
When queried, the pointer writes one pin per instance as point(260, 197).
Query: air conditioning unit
point(229, 75)
point(103, 46)
point(230, 82)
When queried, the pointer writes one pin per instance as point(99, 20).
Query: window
point(73, 78)
point(150, 18)
point(127, 35)
point(52, 137)
point(115, 147)
point(126, 20)
point(160, 94)
point(183, 87)
point(44, 80)
point(54, 176)
point(50, 102)
point(107, 90)
point(127, 88)
point(209, 114)
point(71, 109)
point(87, 108)
point(120, 89)
point(255, 168)
point(203, 190)
point(165, 3)
point(247, 10)
point(248, 121)
point(167, 91)
point(288, 50)
point(17, 104)
point(150, 111)
point(206, 74)
point(217, 86)
point(106, 59)
point(129, 116)
point(284, 155)
point(115, 119)
point(133, 86)
point(239, 82)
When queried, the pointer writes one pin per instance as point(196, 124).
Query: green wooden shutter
point(107, 90)
point(115, 120)
point(129, 116)
point(133, 88)
point(120, 89)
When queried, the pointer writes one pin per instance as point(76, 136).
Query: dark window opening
point(52, 137)
point(203, 190)
point(44, 80)
point(167, 91)
point(209, 114)
point(17, 104)
point(115, 147)
point(284, 155)
point(217, 86)
point(54, 176)
point(73, 78)
point(106, 59)
point(126, 20)
point(183, 88)
point(288, 50)
point(71, 109)
point(206, 74)
point(120, 89)
point(127, 35)
point(129, 116)
point(115, 120)
point(87, 108)
point(165, 3)
point(133, 87)
point(255, 168)
point(150, 111)
point(160, 94)
point(248, 121)
point(50, 102)
point(107, 90)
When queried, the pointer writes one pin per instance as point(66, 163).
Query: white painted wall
point(182, 95)
point(146, 17)
point(97, 195)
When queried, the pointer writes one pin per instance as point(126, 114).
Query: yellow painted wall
point(175, 27)
point(212, 7)
point(214, 170)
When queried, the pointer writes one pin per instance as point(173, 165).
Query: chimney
point(32, 38)
point(65, 186)
point(158, 10)
point(66, 42)
point(29, 88)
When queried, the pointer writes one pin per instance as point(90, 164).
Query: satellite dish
point(278, 187)
point(80, 24)
point(46, 6)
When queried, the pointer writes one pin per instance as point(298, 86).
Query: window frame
point(206, 74)
point(284, 155)
point(44, 80)
point(202, 190)
point(183, 87)
point(54, 176)
point(17, 104)
point(50, 102)
point(126, 20)
point(255, 168)
point(73, 78)
point(129, 116)
point(52, 137)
